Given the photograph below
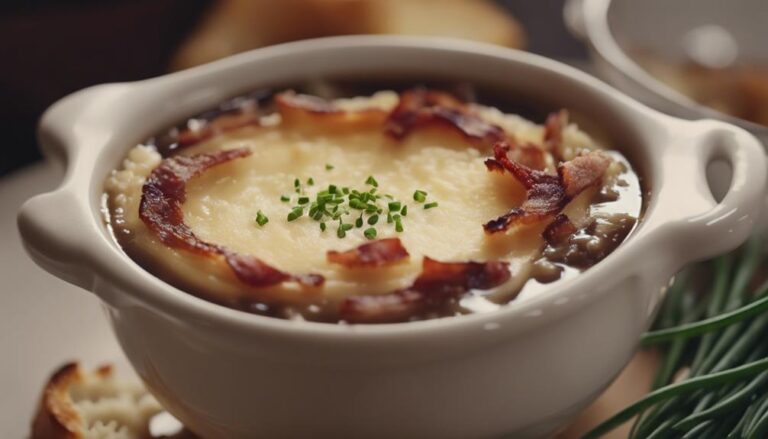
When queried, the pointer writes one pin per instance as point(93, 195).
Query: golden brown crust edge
point(56, 417)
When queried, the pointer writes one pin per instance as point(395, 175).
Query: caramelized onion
point(438, 283)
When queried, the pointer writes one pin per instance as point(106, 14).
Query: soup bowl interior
point(522, 370)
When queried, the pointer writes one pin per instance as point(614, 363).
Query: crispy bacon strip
point(165, 191)
point(438, 283)
point(447, 278)
point(160, 209)
point(302, 107)
point(546, 194)
point(527, 154)
point(583, 171)
point(221, 124)
point(420, 106)
point(372, 254)
point(253, 271)
point(559, 230)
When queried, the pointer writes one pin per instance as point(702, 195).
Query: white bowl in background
point(613, 28)
point(521, 371)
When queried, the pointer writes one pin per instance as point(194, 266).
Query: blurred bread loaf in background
point(233, 26)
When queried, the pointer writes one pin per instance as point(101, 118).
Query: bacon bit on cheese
point(297, 108)
point(372, 254)
point(420, 106)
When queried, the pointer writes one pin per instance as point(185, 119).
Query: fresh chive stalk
point(718, 335)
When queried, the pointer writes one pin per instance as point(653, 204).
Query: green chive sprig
point(715, 330)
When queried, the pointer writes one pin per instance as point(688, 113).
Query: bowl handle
point(573, 14)
point(701, 226)
point(52, 228)
point(55, 226)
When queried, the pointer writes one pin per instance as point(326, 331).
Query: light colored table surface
point(44, 322)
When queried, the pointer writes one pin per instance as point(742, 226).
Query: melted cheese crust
point(222, 204)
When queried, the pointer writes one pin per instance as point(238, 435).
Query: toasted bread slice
point(234, 26)
point(478, 20)
point(80, 405)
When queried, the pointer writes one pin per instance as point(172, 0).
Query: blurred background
point(51, 48)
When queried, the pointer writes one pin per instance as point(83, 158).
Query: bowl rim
point(174, 303)
point(589, 19)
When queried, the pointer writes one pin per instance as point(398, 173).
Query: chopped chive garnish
point(325, 198)
point(261, 219)
point(328, 166)
point(295, 213)
point(342, 204)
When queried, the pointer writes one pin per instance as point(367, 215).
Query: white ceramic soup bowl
point(521, 371)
